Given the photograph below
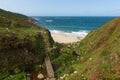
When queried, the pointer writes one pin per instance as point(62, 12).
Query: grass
point(99, 54)
point(19, 76)
point(22, 45)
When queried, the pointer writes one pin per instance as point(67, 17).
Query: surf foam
point(80, 34)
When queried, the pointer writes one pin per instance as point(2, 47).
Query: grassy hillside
point(12, 15)
point(97, 57)
point(23, 48)
point(22, 45)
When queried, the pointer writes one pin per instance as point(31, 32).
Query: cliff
point(22, 44)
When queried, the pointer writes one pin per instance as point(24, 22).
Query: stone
point(90, 58)
point(75, 72)
point(40, 76)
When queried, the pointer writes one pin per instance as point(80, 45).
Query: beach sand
point(62, 38)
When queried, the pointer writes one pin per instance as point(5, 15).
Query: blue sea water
point(74, 26)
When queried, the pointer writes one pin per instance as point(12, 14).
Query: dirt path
point(49, 68)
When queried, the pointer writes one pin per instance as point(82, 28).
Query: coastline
point(63, 38)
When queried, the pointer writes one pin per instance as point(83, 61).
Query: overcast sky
point(63, 7)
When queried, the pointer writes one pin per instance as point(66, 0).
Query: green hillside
point(12, 15)
point(97, 57)
point(22, 46)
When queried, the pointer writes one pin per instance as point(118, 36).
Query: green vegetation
point(19, 76)
point(12, 15)
point(22, 46)
point(99, 55)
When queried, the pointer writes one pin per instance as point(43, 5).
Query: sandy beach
point(62, 38)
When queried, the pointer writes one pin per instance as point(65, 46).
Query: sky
point(63, 7)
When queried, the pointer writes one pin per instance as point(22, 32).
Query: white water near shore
point(69, 26)
point(64, 37)
point(80, 34)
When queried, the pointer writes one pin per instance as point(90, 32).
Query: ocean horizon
point(78, 26)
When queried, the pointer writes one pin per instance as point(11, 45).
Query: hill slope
point(97, 57)
point(22, 49)
point(12, 15)
point(22, 44)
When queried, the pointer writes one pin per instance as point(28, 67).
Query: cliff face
point(22, 43)
point(97, 56)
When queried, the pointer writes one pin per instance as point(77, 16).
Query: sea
point(78, 26)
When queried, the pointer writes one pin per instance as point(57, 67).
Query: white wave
point(56, 31)
point(80, 34)
point(48, 20)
